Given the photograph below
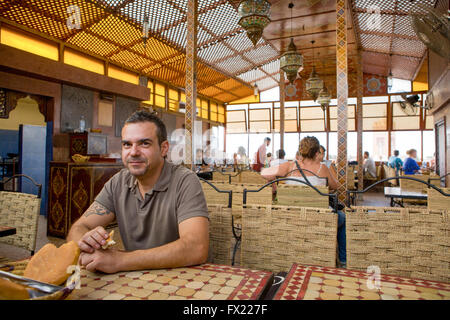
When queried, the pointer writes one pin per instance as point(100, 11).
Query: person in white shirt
point(280, 158)
point(369, 167)
point(260, 156)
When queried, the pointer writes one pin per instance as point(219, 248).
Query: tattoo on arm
point(97, 209)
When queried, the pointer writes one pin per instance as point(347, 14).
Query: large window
point(160, 95)
point(351, 118)
point(352, 149)
point(291, 141)
point(234, 141)
point(429, 146)
point(377, 144)
point(290, 122)
point(402, 121)
point(259, 120)
point(375, 117)
point(311, 119)
point(406, 140)
point(236, 121)
point(173, 100)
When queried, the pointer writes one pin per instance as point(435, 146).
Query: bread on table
point(109, 242)
point(50, 263)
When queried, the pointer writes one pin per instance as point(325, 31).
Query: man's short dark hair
point(323, 148)
point(267, 139)
point(145, 116)
point(366, 152)
point(281, 154)
point(396, 153)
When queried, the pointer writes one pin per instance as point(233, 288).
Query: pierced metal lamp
point(254, 17)
point(324, 98)
point(291, 62)
point(145, 28)
point(314, 84)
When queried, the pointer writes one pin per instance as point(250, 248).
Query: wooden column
point(342, 97)
point(359, 122)
point(191, 79)
point(282, 115)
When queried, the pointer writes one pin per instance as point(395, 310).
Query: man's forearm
point(174, 254)
point(76, 232)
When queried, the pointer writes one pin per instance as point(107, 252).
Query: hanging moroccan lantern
point(254, 18)
point(324, 98)
point(314, 84)
point(291, 62)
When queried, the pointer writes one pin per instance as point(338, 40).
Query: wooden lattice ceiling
point(229, 64)
point(388, 40)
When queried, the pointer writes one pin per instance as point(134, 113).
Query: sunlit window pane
point(376, 143)
point(406, 140)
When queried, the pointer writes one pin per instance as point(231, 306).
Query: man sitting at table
point(160, 208)
point(369, 168)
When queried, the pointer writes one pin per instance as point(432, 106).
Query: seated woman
point(410, 166)
point(309, 150)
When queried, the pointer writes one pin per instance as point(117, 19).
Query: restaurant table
point(398, 193)
point(7, 231)
point(325, 283)
point(206, 282)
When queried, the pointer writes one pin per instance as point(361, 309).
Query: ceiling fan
point(432, 28)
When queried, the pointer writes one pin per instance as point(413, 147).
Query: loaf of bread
point(50, 263)
point(10, 290)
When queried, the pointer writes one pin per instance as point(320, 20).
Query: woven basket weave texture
point(407, 242)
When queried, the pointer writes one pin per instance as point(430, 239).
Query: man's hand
point(93, 240)
point(102, 260)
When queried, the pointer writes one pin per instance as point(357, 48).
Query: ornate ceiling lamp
point(390, 80)
point(145, 29)
point(291, 62)
point(254, 18)
point(324, 98)
point(314, 84)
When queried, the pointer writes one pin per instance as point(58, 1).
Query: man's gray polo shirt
point(153, 221)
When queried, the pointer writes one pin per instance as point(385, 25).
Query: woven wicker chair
point(390, 173)
point(437, 201)
point(221, 240)
point(301, 196)
point(251, 177)
point(407, 242)
point(263, 197)
point(274, 237)
point(219, 176)
point(213, 192)
point(21, 211)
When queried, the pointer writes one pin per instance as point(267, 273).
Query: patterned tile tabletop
point(323, 283)
point(205, 282)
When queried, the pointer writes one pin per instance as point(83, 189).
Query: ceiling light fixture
point(314, 84)
point(254, 18)
point(291, 62)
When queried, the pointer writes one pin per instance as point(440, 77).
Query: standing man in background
point(260, 156)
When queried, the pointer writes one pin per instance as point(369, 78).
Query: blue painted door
point(32, 157)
